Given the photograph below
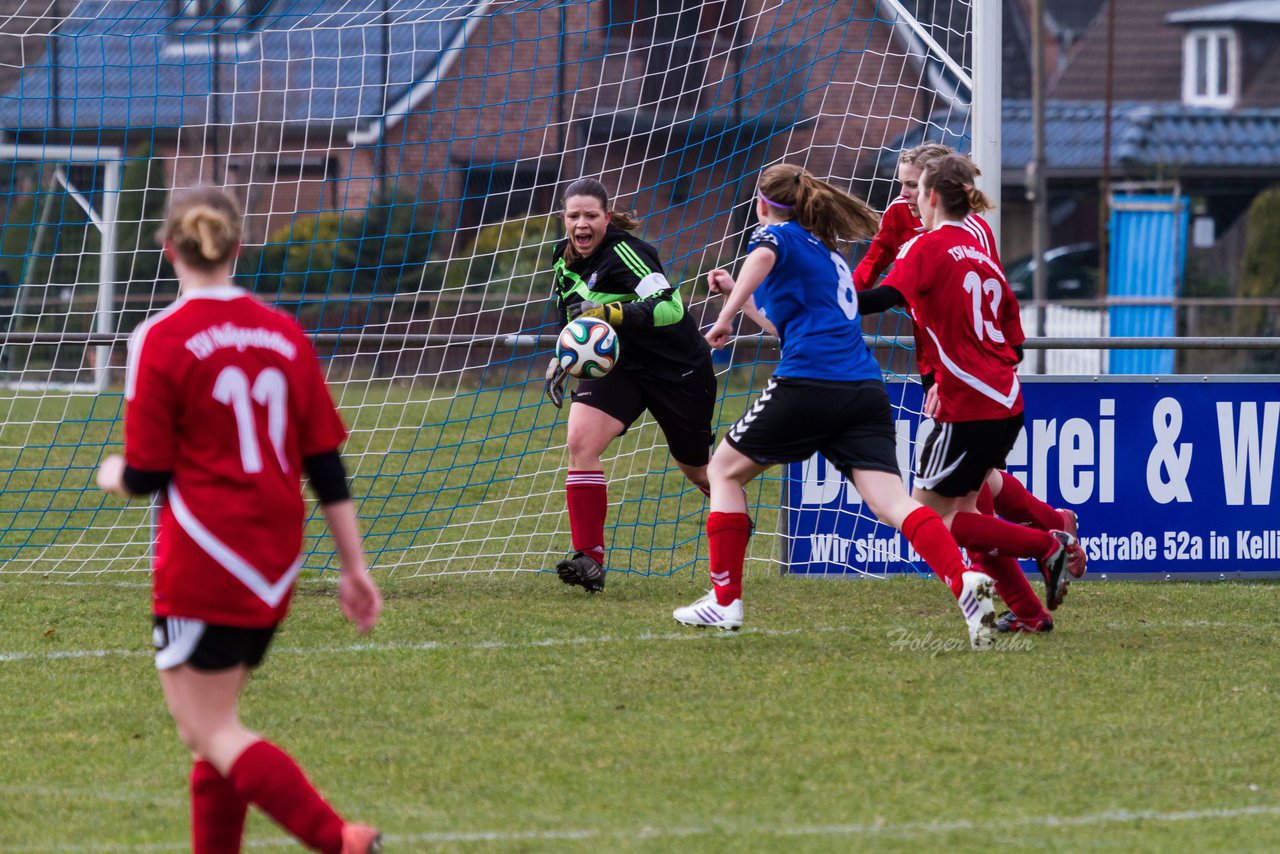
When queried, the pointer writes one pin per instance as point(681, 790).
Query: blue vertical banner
point(1172, 477)
point(1146, 258)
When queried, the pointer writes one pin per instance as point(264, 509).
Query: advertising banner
point(1171, 477)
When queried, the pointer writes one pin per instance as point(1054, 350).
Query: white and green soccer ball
point(587, 348)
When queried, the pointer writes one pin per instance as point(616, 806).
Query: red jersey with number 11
point(227, 395)
point(968, 320)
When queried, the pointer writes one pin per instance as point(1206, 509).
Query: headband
point(771, 203)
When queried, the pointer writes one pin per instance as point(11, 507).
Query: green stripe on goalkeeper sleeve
point(632, 260)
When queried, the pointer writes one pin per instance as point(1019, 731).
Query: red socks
point(929, 536)
point(1011, 585)
point(989, 535)
point(217, 812)
point(588, 499)
point(727, 536)
point(266, 776)
point(1016, 504)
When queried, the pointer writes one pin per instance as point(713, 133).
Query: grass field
point(503, 713)
point(449, 478)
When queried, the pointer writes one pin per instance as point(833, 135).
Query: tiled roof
point(127, 64)
point(1147, 62)
point(1144, 136)
point(1240, 11)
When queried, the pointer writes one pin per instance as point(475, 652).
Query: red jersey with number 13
point(227, 395)
point(964, 309)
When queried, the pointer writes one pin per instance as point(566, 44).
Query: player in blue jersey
point(826, 394)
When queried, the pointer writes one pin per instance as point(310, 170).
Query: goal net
point(400, 164)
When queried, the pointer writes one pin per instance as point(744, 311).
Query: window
point(1210, 68)
point(498, 192)
point(647, 21)
point(208, 15)
point(305, 167)
point(671, 39)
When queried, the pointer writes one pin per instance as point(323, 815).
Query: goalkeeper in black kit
point(603, 271)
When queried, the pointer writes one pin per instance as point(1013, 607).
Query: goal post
point(400, 165)
point(47, 169)
point(988, 37)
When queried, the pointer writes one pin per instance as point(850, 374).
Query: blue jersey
point(809, 298)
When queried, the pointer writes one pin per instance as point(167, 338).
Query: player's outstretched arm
point(358, 595)
point(878, 299)
point(754, 270)
point(721, 282)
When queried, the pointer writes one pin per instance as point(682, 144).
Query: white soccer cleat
point(707, 612)
point(977, 603)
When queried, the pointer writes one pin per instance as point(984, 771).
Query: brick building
point(481, 109)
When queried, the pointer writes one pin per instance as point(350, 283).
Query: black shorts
point(849, 423)
point(683, 408)
point(180, 640)
point(956, 458)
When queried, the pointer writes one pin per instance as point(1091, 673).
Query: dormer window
point(1211, 67)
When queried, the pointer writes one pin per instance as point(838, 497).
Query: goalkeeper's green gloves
point(554, 388)
point(610, 313)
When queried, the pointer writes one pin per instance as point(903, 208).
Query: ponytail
point(953, 178)
point(979, 202)
point(203, 226)
point(828, 213)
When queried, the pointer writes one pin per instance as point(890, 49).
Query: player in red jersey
point(900, 221)
point(969, 328)
point(1003, 494)
point(226, 409)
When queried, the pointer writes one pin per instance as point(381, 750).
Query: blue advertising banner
point(1172, 477)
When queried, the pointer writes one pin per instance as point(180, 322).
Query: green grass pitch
point(513, 713)
point(508, 712)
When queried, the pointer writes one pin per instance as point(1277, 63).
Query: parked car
point(1073, 272)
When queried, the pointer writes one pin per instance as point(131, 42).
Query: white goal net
point(400, 163)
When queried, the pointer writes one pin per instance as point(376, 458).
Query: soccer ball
point(587, 348)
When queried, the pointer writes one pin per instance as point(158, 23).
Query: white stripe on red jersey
point(249, 575)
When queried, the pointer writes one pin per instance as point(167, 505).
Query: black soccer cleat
point(1010, 622)
point(582, 570)
point(1054, 569)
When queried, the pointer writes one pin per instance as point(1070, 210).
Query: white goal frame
point(984, 90)
point(111, 159)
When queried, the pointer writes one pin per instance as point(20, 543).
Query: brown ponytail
point(979, 202)
point(953, 177)
point(830, 214)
